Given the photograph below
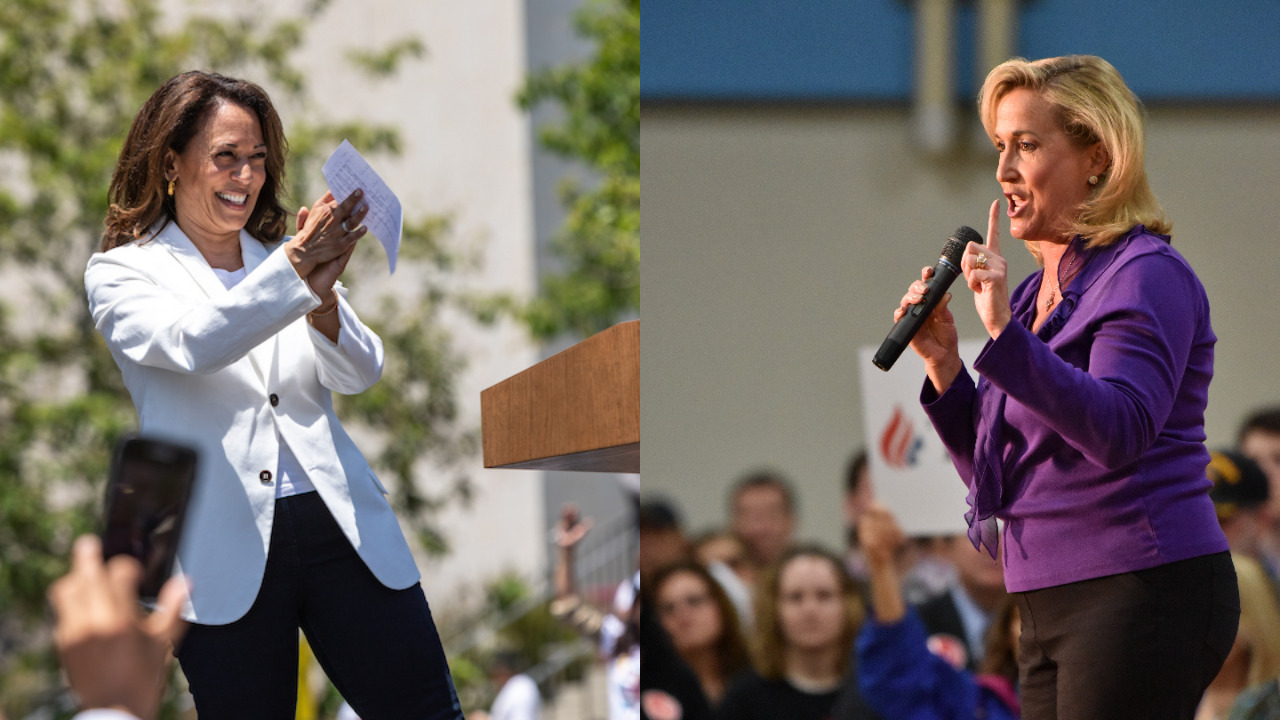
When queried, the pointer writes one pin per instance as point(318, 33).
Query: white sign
point(911, 472)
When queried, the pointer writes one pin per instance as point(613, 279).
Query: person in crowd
point(1259, 439)
point(898, 675)
point(1254, 659)
point(961, 615)
point(669, 689)
point(928, 572)
point(1240, 497)
point(858, 495)
point(1085, 433)
point(762, 510)
point(808, 611)
point(518, 697)
point(617, 632)
point(232, 338)
point(1260, 702)
point(115, 660)
point(717, 546)
point(724, 555)
point(701, 621)
point(662, 538)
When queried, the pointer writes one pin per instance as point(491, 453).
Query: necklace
point(1055, 288)
point(810, 685)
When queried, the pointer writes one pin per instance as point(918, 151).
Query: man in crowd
point(762, 512)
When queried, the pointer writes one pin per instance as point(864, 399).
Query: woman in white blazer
point(231, 338)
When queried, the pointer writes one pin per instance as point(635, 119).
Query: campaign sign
point(911, 472)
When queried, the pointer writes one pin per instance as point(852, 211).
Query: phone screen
point(147, 497)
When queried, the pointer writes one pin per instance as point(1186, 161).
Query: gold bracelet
point(314, 314)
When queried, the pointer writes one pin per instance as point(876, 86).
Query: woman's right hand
point(936, 342)
point(321, 238)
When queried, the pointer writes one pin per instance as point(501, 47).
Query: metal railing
point(566, 666)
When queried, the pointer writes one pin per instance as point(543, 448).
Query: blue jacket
point(901, 680)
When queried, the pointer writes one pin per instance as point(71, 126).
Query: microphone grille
point(952, 251)
point(958, 241)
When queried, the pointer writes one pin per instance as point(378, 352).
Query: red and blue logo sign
point(899, 442)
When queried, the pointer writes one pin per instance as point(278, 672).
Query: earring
point(171, 182)
point(1093, 180)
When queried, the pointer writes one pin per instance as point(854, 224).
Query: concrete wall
point(467, 154)
point(779, 239)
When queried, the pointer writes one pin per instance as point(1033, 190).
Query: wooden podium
point(577, 410)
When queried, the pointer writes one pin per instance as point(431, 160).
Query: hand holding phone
point(147, 497)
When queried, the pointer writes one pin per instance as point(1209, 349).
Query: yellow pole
point(307, 709)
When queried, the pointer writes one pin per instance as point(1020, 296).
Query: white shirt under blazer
point(224, 371)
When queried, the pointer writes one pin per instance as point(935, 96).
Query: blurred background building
point(804, 159)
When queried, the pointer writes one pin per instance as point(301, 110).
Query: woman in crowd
point(232, 338)
point(703, 626)
point(724, 555)
point(808, 612)
point(1085, 431)
point(723, 547)
point(898, 675)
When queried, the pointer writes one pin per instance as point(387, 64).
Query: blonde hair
point(1094, 105)
point(770, 645)
point(1259, 620)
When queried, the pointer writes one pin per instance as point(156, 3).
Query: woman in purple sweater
point(1085, 434)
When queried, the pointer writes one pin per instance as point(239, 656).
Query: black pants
point(378, 646)
point(1137, 645)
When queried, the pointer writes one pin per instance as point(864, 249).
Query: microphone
point(944, 273)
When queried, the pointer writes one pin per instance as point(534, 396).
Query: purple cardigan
point(1087, 437)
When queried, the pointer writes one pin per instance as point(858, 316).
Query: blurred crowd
point(745, 622)
point(749, 622)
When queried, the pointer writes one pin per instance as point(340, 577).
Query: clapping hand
point(327, 234)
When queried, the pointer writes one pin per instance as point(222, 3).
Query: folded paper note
point(345, 170)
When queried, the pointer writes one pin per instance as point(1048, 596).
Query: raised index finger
point(993, 228)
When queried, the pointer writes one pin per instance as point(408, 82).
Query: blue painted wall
point(861, 50)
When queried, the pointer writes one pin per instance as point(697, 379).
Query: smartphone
point(146, 504)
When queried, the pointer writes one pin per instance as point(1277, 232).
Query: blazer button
point(275, 399)
point(265, 477)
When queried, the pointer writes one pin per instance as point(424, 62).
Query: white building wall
point(467, 155)
point(467, 150)
point(778, 241)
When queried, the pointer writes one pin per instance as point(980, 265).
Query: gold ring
point(980, 261)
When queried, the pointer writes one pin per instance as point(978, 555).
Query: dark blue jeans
point(378, 646)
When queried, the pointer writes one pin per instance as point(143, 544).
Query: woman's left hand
point(987, 275)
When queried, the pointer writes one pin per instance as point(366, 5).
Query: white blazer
point(224, 370)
